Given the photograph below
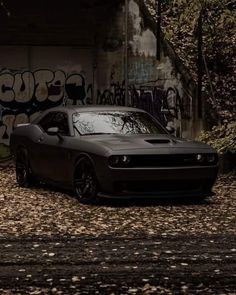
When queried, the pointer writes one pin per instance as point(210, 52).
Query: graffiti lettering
point(6, 87)
point(115, 95)
point(164, 104)
point(23, 87)
point(24, 95)
point(40, 86)
point(75, 88)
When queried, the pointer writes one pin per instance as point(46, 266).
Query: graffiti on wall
point(114, 95)
point(164, 104)
point(24, 95)
point(41, 86)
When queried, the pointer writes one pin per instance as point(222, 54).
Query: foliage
point(222, 138)
point(180, 26)
point(4, 151)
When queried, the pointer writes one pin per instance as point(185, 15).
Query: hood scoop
point(158, 141)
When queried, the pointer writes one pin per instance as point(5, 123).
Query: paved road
point(163, 264)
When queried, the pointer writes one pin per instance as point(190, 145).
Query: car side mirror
point(53, 131)
point(170, 129)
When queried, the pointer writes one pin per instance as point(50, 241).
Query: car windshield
point(116, 122)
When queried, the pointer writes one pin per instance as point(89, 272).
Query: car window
point(55, 119)
point(60, 120)
point(44, 123)
point(116, 122)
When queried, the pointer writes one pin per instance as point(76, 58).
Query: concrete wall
point(156, 86)
point(35, 77)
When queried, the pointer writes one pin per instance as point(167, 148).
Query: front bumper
point(157, 195)
point(158, 182)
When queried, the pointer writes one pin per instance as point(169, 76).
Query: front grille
point(158, 186)
point(181, 160)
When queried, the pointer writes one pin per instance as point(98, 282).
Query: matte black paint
point(53, 158)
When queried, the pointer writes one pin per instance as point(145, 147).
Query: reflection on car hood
point(118, 142)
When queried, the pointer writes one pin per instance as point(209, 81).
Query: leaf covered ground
point(44, 211)
point(51, 244)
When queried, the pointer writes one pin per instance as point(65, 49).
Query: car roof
point(70, 109)
point(93, 108)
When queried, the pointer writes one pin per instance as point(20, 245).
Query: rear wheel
point(85, 181)
point(24, 176)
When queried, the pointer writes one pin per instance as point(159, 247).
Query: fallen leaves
point(46, 211)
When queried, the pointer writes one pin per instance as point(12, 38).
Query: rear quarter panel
point(22, 137)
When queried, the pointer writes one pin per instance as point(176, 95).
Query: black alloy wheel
point(85, 182)
point(23, 174)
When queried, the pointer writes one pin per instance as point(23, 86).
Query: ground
point(51, 244)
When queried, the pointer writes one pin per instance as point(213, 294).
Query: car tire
point(24, 175)
point(85, 181)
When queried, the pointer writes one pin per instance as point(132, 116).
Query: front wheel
point(85, 182)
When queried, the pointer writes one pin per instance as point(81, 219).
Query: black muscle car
point(111, 151)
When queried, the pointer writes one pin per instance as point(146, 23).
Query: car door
point(39, 152)
point(52, 150)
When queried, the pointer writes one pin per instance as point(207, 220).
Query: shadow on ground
point(137, 202)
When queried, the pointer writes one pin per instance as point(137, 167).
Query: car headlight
point(114, 160)
point(119, 160)
point(125, 159)
point(200, 157)
point(211, 158)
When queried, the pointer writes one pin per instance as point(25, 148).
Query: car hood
point(133, 143)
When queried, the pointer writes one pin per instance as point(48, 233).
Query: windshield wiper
point(99, 133)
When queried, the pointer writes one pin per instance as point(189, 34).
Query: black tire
point(85, 181)
point(24, 176)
